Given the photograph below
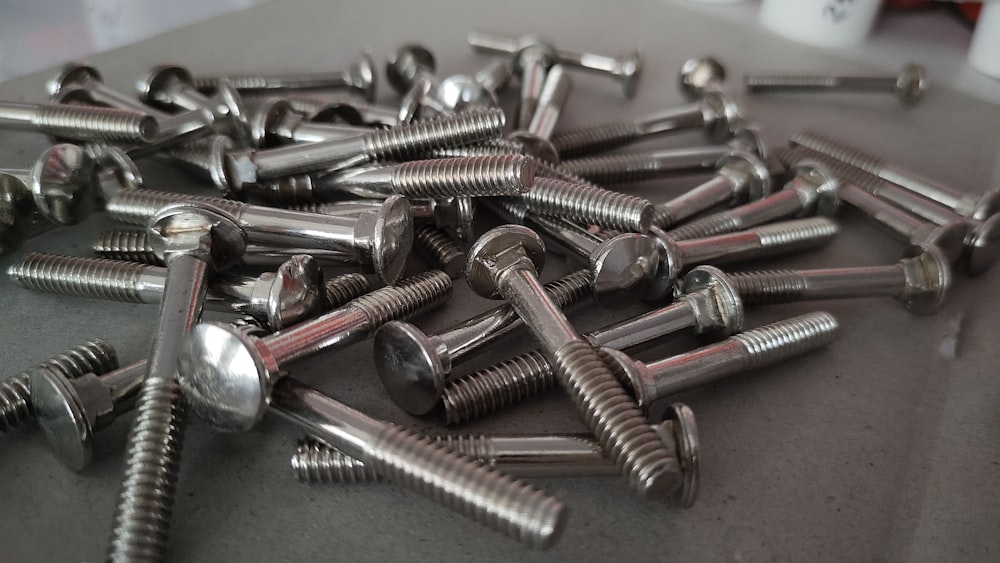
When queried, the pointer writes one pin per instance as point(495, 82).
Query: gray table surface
point(881, 447)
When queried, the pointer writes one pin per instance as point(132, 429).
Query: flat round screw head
point(62, 416)
point(928, 285)
point(498, 248)
point(826, 184)
point(631, 69)
point(364, 77)
point(159, 79)
point(409, 367)
point(748, 138)
point(201, 229)
point(911, 82)
point(72, 74)
point(17, 212)
point(62, 182)
point(987, 206)
point(533, 48)
point(296, 292)
point(685, 431)
point(699, 75)
point(225, 376)
point(948, 238)
point(724, 115)
point(982, 245)
point(757, 181)
point(265, 117)
point(460, 92)
point(622, 267)
point(536, 146)
point(390, 238)
point(403, 65)
point(728, 316)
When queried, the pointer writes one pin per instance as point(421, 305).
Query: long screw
point(516, 510)
point(440, 251)
point(503, 262)
point(82, 123)
point(361, 77)
point(17, 404)
point(907, 85)
point(589, 204)
point(534, 138)
point(193, 241)
point(708, 305)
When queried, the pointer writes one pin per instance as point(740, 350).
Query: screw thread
point(496, 387)
point(788, 82)
point(315, 463)
point(82, 277)
point(614, 169)
point(130, 246)
point(588, 204)
point(801, 233)
point(715, 224)
point(136, 206)
point(296, 190)
point(406, 142)
point(203, 157)
point(784, 339)
point(15, 402)
point(571, 289)
point(344, 288)
point(473, 176)
point(96, 123)
point(239, 82)
point(440, 250)
point(513, 508)
point(410, 297)
point(839, 151)
point(769, 287)
point(663, 217)
point(600, 138)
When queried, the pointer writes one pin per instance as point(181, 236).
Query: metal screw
point(79, 122)
point(233, 395)
point(590, 205)
point(361, 77)
point(531, 62)
point(415, 367)
point(380, 241)
point(418, 463)
point(907, 85)
point(17, 403)
point(205, 158)
point(624, 69)
point(534, 139)
point(192, 240)
point(453, 214)
point(708, 304)
point(274, 122)
point(461, 93)
point(344, 288)
point(503, 262)
point(410, 70)
point(440, 251)
point(699, 76)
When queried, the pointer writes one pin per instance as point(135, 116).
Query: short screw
point(514, 509)
point(440, 251)
point(588, 204)
point(534, 139)
point(708, 305)
point(907, 85)
point(82, 123)
point(503, 262)
point(17, 404)
point(233, 395)
point(699, 76)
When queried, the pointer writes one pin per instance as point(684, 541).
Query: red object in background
point(908, 4)
point(970, 11)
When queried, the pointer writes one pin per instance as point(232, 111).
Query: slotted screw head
point(66, 180)
point(295, 292)
point(403, 65)
point(200, 229)
point(911, 82)
point(498, 248)
point(758, 176)
point(929, 275)
point(699, 75)
point(726, 316)
point(390, 233)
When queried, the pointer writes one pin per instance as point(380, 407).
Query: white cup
point(825, 23)
point(984, 52)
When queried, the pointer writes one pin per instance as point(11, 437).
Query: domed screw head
point(294, 292)
point(757, 182)
point(67, 412)
point(74, 74)
point(826, 186)
point(724, 314)
point(987, 206)
point(69, 182)
point(386, 237)
point(266, 117)
point(460, 92)
point(722, 113)
point(928, 278)
point(685, 435)
point(700, 75)
point(410, 367)
point(404, 65)
point(911, 82)
point(199, 229)
point(363, 76)
point(498, 249)
point(536, 146)
point(622, 267)
point(159, 85)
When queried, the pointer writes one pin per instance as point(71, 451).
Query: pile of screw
point(312, 178)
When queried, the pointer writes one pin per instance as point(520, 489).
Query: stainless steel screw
point(205, 158)
point(233, 395)
point(440, 251)
point(462, 92)
point(372, 115)
point(410, 70)
point(361, 77)
point(415, 367)
point(344, 288)
point(17, 404)
point(79, 122)
point(416, 462)
point(907, 85)
point(534, 138)
point(453, 214)
point(192, 241)
point(275, 122)
point(755, 348)
point(708, 305)
point(700, 75)
point(503, 262)
point(590, 205)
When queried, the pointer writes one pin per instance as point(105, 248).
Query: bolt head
point(722, 115)
point(987, 206)
point(403, 65)
point(265, 117)
point(460, 92)
point(296, 292)
point(928, 278)
point(751, 172)
point(364, 77)
point(63, 184)
point(153, 89)
point(700, 75)
point(72, 74)
point(911, 84)
point(199, 229)
point(629, 73)
point(622, 267)
point(726, 316)
point(685, 436)
point(498, 249)
point(535, 146)
point(948, 238)
point(62, 416)
point(533, 49)
point(669, 265)
point(408, 364)
point(748, 138)
point(236, 123)
point(115, 170)
point(386, 237)
point(226, 376)
point(982, 245)
point(339, 112)
point(17, 212)
point(818, 177)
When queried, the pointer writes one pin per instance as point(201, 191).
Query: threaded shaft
point(496, 387)
point(82, 277)
point(296, 190)
point(315, 463)
point(839, 151)
point(788, 82)
point(410, 297)
point(344, 288)
point(238, 81)
point(203, 157)
point(570, 289)
point(440, 250)
point(130, 246)
point(406, 142)
point(715, 224)
point(615, 169)
point(578, 202)
point(15, 402)
point(472, 176)
point(801, 233)
point(769, 287)
point(136, 206)
point(662, 217)
point(95, 123)
point(591, 140)
point(784, 339)
point(510, 507)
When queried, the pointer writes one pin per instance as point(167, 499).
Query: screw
point(399, 143)
point(531, 63)
point(192, 240)
point(233, 395)
point(503, 262)
point(275, 122)
point(713, 113)
point(205, 158)
point(418, 463)
point(410, 70)
point(534, 139)
point(360, 77)
point(708, 304)
point(380, 241)
point(439, 250)
point(344, 288)
point(462, 93)
point(588, 204)
point(79, 122)
point(371, 114)
point(453, 214)
point(415, 367)
point(624, 69)
point(699, 76)
point(17, 403)
point(907, 85)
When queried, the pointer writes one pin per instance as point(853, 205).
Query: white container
point(984, 53)
point(825, 23)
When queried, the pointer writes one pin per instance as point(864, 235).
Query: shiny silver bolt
point(588, 204)
point(699, 76)
point(82, 123)
point(361, 77)
point(908, 85)
point(534, 139)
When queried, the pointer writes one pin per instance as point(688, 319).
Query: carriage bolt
point(741, 177)
point(380, 241)
point(707, 304)
point(415, 367)
point(907, 85)
point(624, 69)
point(454, 214)
point(981, 208)
point(807, 193)
point(755, 348)
point(460, 92)
point(513, 508)
point(282, 298)
point(361, 77)
point(404, 142)
point(526, 455)
point(82, 123)
point(920, 280)
point(410, 70)
point(531, 62)
point(589, 204)
point(204, 158)
point(713, 113)
point(18, 404)
point(227, 376)
point(193, 240)
point(274, 123)
point(534, 139)
point(699, 76)
point(439, 250)
point(503, 262)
